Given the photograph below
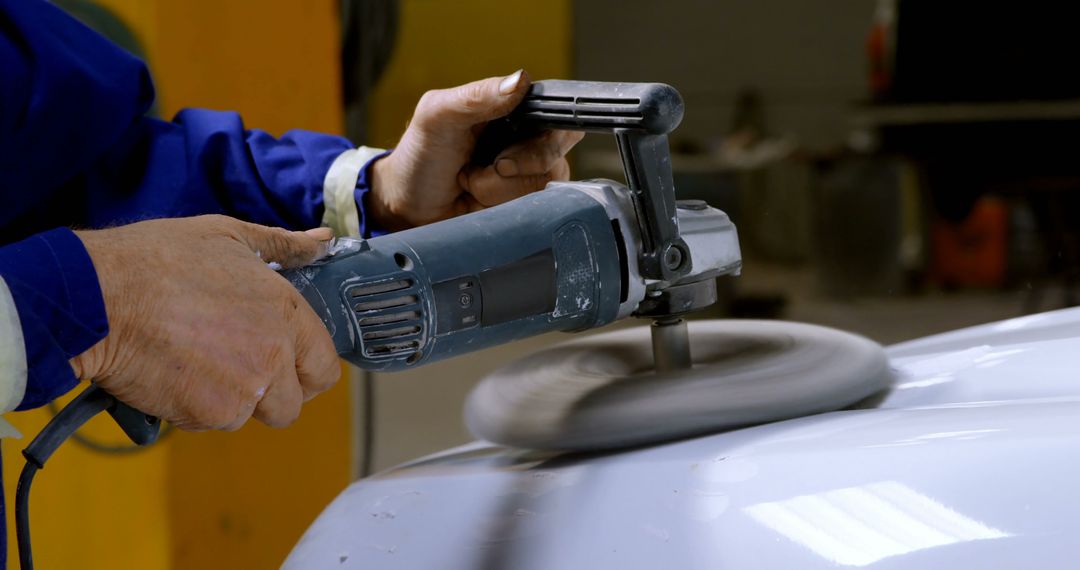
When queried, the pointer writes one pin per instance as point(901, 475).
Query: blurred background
point(896, 168)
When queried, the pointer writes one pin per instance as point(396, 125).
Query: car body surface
point(968, 460)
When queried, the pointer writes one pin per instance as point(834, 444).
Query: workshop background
point(895, 168)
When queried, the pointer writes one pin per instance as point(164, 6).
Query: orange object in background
point(881, 48)
point(974, 252)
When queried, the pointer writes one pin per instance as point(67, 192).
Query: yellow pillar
point(216, 500)
point(90, 510)
point(442, 44)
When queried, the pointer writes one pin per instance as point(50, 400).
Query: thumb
point(472, 103)
point(290, 249)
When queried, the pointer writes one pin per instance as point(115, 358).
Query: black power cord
point(139, 427)
point(106, 448)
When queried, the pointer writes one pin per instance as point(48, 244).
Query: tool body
point(576, 256)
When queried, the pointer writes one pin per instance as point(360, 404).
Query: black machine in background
point(983, 51)
point(983, 98)
point(368, 32)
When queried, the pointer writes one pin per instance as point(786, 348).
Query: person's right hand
point(201, 332)
point(428, 177)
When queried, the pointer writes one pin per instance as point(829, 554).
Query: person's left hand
point(428, 178)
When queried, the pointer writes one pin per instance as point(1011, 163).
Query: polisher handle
point(639, 115)
point(602, 107)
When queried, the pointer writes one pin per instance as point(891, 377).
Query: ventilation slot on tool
point(387, 319)
point(385, 287)
point(406, 347)
point(389, 315)
point(391, 333)
point(386, 303)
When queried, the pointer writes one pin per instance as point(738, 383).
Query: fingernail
point(509, 85)
point(321, 234)
point(506, 167)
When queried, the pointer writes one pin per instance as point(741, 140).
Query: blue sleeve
point(58, 300)
point(207, 162)
point(66, 96)
point(76, 148)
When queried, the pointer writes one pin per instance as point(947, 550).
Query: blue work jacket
point(76, 150)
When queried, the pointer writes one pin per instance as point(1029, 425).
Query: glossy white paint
point(1031, 357)
point(968, 462)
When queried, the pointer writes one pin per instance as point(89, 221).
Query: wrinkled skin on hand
point(428, 177)
point(201, 332)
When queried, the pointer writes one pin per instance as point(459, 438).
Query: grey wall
point(806, 57)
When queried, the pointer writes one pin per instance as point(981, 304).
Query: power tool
point(575, 256)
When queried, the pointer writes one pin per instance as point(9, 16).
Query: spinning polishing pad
point(602, 392)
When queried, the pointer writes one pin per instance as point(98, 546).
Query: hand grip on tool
point(640, 115)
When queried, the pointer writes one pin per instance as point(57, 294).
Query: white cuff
point(339, 190)
point(12, 359)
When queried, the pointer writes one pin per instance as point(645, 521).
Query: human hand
point(428, 177)
point(201, 332)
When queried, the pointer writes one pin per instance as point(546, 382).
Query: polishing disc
point(602, 392)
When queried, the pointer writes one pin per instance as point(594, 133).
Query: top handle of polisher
point(640, 115)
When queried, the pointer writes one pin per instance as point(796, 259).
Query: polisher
point(577, 256)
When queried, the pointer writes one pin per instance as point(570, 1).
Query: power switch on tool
point(459, 304)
